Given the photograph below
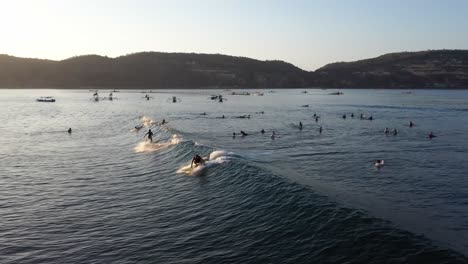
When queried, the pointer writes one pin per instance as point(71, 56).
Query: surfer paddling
point(197, 160)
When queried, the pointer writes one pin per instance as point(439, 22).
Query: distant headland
point(156, 70)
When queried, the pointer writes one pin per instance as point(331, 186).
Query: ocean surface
point(103, 194)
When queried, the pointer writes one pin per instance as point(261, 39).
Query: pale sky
point(306, 33)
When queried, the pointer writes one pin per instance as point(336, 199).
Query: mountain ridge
point(157, 70)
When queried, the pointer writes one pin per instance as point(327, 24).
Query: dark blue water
point(103, 195)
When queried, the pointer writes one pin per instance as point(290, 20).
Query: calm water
point(103, 195)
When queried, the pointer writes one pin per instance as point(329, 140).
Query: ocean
point(103, 194)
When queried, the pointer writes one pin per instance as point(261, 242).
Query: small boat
point(240, 93)
point(46, 99)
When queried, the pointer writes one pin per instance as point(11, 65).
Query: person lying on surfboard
point(197, 160)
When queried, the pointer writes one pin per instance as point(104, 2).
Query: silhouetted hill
point(149, 69)
point(425, 69)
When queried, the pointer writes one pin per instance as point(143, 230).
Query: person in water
point(320, 130)
point(263, 131)
point(197, 160)
point(300, 125)
point(344, 116)
point(163, 121)
point(273, 135)
point(386, 131)
point(244, 134)
point(371, 118)
point(352, 115)
point(362, 116)
point(222, 117)
point(316, 119)
point(69, 130)
point(411, 124)
point(150, 135)
point(431, 135)
point(395, 132)
point(233, 134)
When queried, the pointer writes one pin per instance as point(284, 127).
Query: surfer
point(150, 135)
point(431, 135)
point(233, 134)
point(163, 121)
point(300, 125)
point(371, 118)
point(273, 135)
point(316, 119)
point(386, 131)
point(411, 124)
point(379, 163)
point(395, 132)
point(69, 130)
point(263, 131)
point(344, 116)
point(320, 130)
point(362, 116)
point(352, 115)
point(244, 134)
point(197, 160)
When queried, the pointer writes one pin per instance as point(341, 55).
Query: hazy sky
point(306, 33)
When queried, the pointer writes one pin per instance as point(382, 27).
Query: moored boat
point(46, 99)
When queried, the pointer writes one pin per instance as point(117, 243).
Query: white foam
point(146, 146)
point(147, 122)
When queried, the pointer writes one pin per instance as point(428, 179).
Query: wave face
point(105, 195)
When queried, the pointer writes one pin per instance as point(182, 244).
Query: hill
point(425, 69)
point(149, 69)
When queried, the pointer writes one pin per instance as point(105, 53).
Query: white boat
point(46, 99)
